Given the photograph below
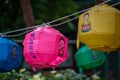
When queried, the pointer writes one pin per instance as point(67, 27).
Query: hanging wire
point(116, 3)
point(78, 16)
point(18, 30)
point(75, 13)
point(32, 28)
point(55, 24)
point(52, 21)
point(81, 12)
point(20, 33)
point(68, 16)
point(52, 25)
point(44, 23)
point(65, 22)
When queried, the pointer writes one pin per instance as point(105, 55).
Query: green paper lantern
point(89, 59)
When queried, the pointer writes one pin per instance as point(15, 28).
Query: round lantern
point(99, 28)
point(89, 59)
point(10, 55)
point(45, 47)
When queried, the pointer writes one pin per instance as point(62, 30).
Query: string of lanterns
point(45, 47)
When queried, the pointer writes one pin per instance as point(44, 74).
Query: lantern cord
point(77, 17)
point(52, 21)
point(41, 25)
point(18, 30)
point(116, 4)
point(65, 21)
point(74, 13)
point(20, 33)
point(44, 23)
point(51, 25)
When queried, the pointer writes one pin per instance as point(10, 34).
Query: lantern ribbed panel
point(104, 34)
point(45, 47)
point(10, 55)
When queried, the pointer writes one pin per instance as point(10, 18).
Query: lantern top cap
point(105, 8)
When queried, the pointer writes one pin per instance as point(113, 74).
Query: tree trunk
point(27, 12)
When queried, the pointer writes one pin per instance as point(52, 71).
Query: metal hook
point(45, 24)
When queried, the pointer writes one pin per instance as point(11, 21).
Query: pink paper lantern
point(45, 47)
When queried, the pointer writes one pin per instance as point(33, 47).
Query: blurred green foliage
point(10, 15)
point(66, 74)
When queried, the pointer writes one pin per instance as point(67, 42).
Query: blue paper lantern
point(10, 55)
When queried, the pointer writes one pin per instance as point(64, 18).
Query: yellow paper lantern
point(99, 28)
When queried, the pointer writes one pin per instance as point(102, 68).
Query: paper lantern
point(89, 59)
point(99, 28)
point(45, 47)
point(10, 55)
